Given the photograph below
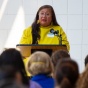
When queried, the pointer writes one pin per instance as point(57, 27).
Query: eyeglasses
point(44, 14)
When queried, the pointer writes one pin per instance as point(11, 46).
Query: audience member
point(66, 73)
point(83, 80)
point(41, 67)
point(59, 54)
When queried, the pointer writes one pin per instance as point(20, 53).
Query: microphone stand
point(59, 38)
point(57, 34)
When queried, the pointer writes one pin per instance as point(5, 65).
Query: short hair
point(59, 54)
point(67, 73)
point(86, 60)
point(39, 62)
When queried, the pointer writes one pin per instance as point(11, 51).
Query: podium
point(27, 49)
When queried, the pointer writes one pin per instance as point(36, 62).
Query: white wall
point(72, 15)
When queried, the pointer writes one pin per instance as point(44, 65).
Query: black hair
point(86, 60)
point(13, 58)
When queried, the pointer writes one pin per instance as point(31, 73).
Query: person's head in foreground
point(13, 58)
point(66, 73)
point(58, 55)
point(39, 63)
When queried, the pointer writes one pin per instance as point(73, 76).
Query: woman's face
point(45, 17)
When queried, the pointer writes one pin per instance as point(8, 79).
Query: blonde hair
point(39, 62)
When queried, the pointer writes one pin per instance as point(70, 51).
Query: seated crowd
point(56, 71)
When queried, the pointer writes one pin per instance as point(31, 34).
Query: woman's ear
point(37, 21)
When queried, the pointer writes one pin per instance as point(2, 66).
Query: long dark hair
point(13, 58)
point(67, 73)
point(35, 25)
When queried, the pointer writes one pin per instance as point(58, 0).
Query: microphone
point(54, 31)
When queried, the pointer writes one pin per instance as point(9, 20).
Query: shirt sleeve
point(26, 36)
point(64, 39)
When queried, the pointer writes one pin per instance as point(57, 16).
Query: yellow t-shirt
point(45, 36)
